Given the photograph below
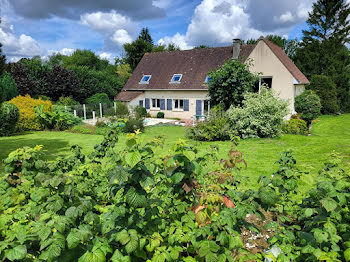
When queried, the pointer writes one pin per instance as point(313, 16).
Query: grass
point(331, 133)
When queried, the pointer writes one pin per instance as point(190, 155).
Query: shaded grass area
point(329, 134)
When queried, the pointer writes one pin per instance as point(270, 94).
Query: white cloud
point(117, 29)
point(63, 51)
point(162, 3)
point(17, 46)
point(217, 22)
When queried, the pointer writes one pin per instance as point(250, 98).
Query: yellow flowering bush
point(27, 117)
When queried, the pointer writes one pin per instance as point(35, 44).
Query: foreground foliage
point(137, 204)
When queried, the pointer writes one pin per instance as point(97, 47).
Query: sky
point(44, 27)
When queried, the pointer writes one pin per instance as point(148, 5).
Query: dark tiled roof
point(194, 66)
point(287, 62)
point(127, 96)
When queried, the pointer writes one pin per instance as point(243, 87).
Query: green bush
point(160, 115)
point(9, 116)
point(122, 109)
point(140, 112)
point(98, 98)
point(325, 88)
point(8, 86)
point(83, 129)
point(215, 128)
point(308, 105)
point(261, 115)
point(295, 127)
point(66, 101)
point(132, 125)
point(58, 119)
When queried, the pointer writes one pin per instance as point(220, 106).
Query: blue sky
point(41, 27)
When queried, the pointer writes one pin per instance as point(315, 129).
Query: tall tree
point(136, 49)
point(2, 59)
point(323, 50)
point(146, 36)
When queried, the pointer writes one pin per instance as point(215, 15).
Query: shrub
point(122, 109)
point(215, 128)
point(98, 98)
point(132, 125)
point(9, 115)
point(8, 86)
point(66, 101)
point(295, 126)
point(83, 129)
point(308, 105)
point(325, 88)
point(27, 117)
point(58, 119)
point(100, 124)
point(229, 83)
point(160, 115)
point(261, 115)
point(140, 112)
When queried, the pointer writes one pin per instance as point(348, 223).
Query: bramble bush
point(9, 115)
point(308, 105)
point(214, 128)
point(27, 116)
point(261, 115)
point(128, 203)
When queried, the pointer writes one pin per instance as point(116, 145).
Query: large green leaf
point(329, 204)
point(96, 256)
point(118, 257)
point(133, 158)
point(17, 253)
point(73, 239)
point(347, 254)
point(135, 198)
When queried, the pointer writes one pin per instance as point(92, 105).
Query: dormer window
point(145, 79)
point(176, 78)
point(208, 79)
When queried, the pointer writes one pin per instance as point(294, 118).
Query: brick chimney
point(236, 48)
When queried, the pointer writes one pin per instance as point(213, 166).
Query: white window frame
point(207, 79)
point(172, 79)
point(145, 82)
point(261, 78)
point(179, 108)
point(157, 100)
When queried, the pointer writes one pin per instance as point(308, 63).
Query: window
point(176, 78)
point(267, 81)
point(145, 79)
point(208, 79)
point(155, 103)
point(178, 104)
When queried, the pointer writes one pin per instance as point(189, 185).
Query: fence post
point(93, 115)
point(115, 107)
point(100, 110)
point(75, 113)
point(84, 109)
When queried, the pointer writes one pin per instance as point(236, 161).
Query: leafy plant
point(260, 116)
point(308, 104)
point(295, 126)
point(160, 115)
point(133, 124)
point(9, 115)
point(8, 86)
point(98, 98)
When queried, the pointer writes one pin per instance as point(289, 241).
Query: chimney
point(236, 48)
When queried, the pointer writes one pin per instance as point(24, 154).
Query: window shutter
point(147, 103)
point(169, 104)
point(186, 105)
point(198, 107)
point(162, 104)
point(141, 103)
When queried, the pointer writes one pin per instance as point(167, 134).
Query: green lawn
point(331, 133)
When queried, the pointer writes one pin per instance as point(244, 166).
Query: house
point(176, 83)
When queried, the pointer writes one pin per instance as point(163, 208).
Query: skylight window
point(176, 78)
point(208, 79)
point(145, 79)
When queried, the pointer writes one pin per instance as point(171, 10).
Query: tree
point(323, 50)
point(2, 59)
point(230, 83)
point(25, 85)
point(145, 36)
point(135, 51)
point(85, 58)
point(308, 105)
point(324, 87)
point(123, 72)
point(8, 85)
